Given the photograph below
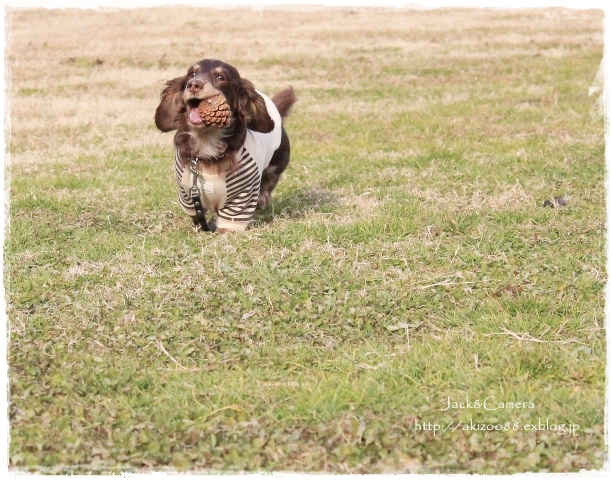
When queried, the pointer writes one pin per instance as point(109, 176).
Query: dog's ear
point(252, 108)
point(170, 105)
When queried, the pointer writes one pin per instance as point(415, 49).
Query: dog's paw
point(212, 226)
point(263, 200)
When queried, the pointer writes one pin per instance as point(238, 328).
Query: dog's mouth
point(210, 111)
point(192, 111)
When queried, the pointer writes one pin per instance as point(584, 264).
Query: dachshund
point(231, 145)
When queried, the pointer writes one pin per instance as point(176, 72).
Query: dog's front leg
point(212, 226)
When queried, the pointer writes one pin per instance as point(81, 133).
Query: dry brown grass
point(67, 109)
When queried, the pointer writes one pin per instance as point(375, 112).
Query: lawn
point(406, 304)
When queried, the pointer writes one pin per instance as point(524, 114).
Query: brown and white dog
point(237, 163)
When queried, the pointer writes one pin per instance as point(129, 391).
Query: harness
point(194, 192)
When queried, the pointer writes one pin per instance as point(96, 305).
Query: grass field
point(405, 282)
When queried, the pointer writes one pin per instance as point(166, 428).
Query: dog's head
point(178, 108)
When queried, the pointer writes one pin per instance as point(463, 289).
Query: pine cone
point(215, 111)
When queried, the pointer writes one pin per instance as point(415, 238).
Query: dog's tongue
point(194, 116)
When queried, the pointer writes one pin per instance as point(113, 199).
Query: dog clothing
point(233, 197)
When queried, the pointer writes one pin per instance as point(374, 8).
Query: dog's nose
point(194, 85)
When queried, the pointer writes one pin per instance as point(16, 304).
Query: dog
point(229, 163)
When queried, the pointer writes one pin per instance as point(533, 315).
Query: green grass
point(406, 259)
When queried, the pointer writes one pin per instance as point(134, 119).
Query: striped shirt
point(232, 197)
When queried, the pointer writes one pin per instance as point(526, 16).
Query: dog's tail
point(284, 100)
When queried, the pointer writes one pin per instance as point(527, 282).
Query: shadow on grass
point(298, 204)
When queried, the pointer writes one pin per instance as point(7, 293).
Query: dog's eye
point(191, 74)
point(221, 78)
